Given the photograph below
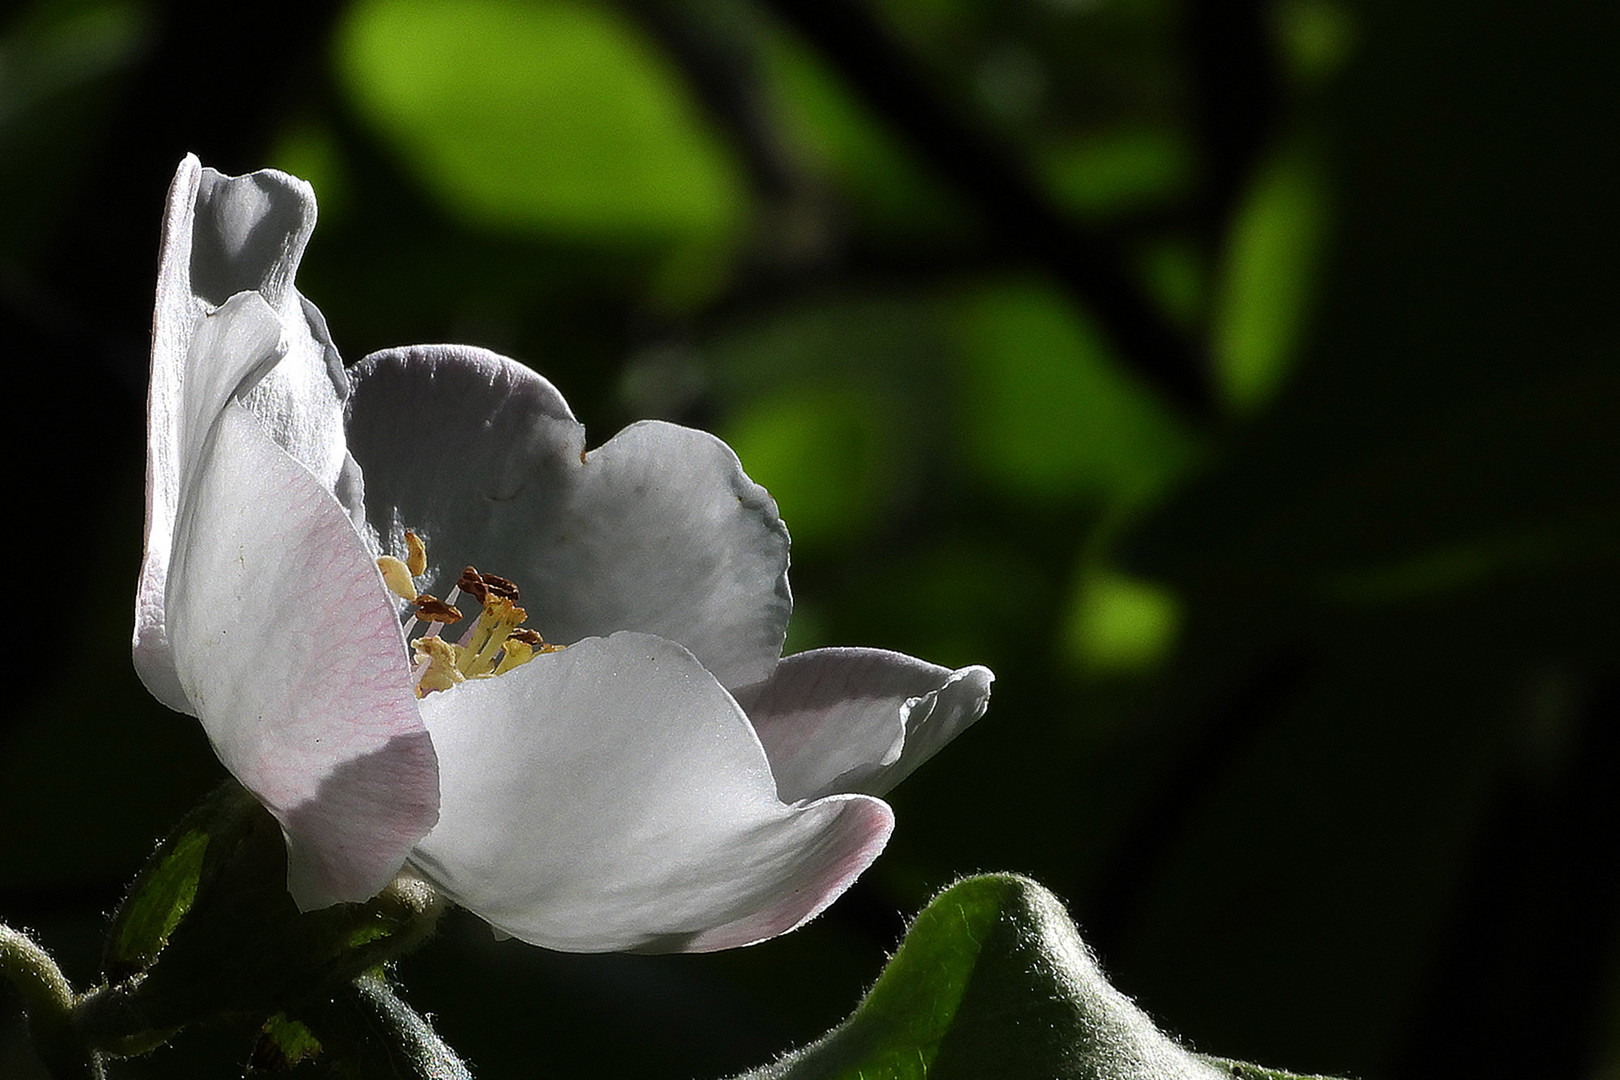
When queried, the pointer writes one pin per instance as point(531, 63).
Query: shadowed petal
point(612, 796)
point(658, 530)
point(288, 649)
point(223, 236)
point(861, 719)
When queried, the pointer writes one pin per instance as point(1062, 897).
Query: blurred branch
point(1235, 101)
point(984, 171)
point(1515, 990)
point(1236, 723)
point(206, 86)
point(723, 72)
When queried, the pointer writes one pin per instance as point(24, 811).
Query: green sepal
point(363, 1031)
point(167, 885)
point(209, 930)
point(993, 979)
point(283, 1043)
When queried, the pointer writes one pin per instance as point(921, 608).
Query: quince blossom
point(663, 780)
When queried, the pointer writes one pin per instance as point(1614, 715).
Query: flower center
point(494, 644)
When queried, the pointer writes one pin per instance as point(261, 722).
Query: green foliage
point(158, 903)
point(284, 1043)
point(1266, 291)
point(211, 931)
point(361, 1031)
point(1048, 413)
point(842, 142)
point(557, 116)
point(1124, 171)
point(994, 980)
point(820, 452)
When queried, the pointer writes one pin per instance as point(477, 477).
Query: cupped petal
point(861, 720)
point(224, 236)
point(287, 647)
point(659, 530)
point(613, 796)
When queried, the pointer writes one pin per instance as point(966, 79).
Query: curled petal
point(659, 530)
point(861, 719)
point(613, 796)
point(287, 648)
point(225, 236)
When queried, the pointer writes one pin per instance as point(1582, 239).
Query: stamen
point(495, 625)
point(432, 609)
point(437, 669)
point(433, 630)
point(516, 652)
point(415, 554)
point(397, 576)
point(471, 583)
point(500, 586)
point(483, 585)
point(492, 645)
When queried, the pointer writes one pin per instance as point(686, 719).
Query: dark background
point(1236, 379)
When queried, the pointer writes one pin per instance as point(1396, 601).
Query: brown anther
point(500, 586)
point(472, 583)
point(481, 586)
point(432, 609)
point(527, 636)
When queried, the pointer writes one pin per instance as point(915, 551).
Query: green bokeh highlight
point(1267, 287)
point(1117, 624)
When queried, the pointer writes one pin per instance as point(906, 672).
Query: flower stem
point(48, 1000)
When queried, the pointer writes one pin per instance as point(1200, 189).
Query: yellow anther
point(513, 653)
point(415, 554)
point(441, 672)
point(397, 576)
point(495, 625)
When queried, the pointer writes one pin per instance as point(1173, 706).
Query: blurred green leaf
point(1120, 171)
point(311, 152)
point(57, 47)
point(844, 142)
point(820, 450)
point(552, 116)
point(1264, 297)
point(994, 980)
point(1047, 413)
point(1317, 37)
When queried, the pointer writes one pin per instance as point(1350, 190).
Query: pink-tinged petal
point(658, 530)
point(287, 646)
point(861, 719)
point(613, 796)
point(223, 236)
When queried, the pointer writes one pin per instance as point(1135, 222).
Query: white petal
point(658, 531)
point(287, 646)
point(612, 796)
point(861, 719)
point(223, 236)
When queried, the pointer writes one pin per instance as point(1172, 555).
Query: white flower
point(665, 781)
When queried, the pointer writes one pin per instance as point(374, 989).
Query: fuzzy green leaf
point(993, 980)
